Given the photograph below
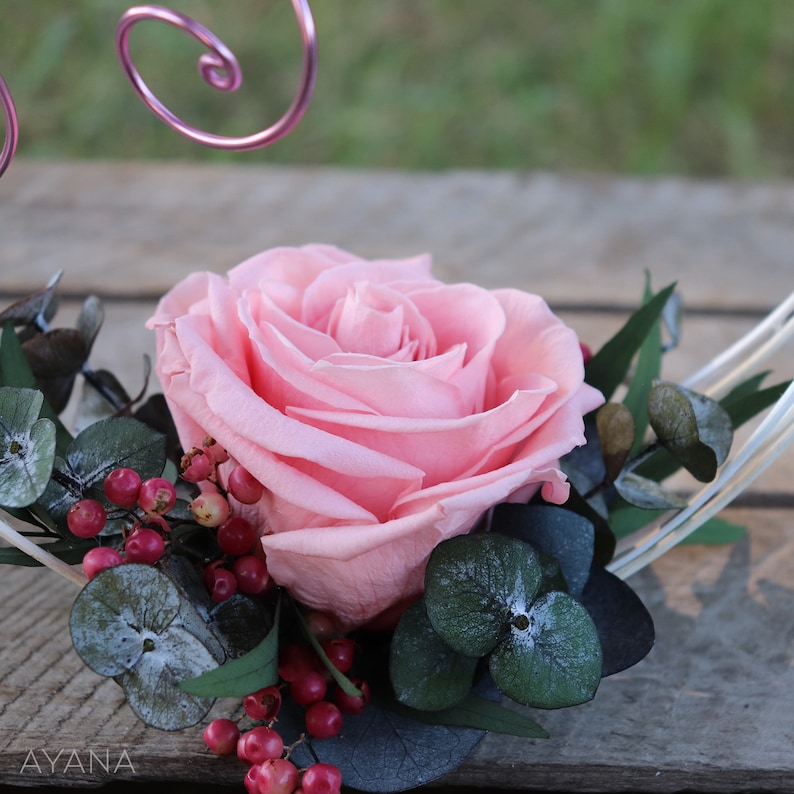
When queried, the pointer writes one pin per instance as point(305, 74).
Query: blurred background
point(697, 87)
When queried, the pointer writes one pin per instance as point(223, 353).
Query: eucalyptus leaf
point(616, 431)
point(647, 494)
point(27, 447)
point(624, 625)
point(425, 672)
point(239, 677)
point(89, 322)
point(130, 622)
point(696, 430)
point(553, 658)
point(55, 358)
point(473, 586)
point(555, 531)
point(27, 309)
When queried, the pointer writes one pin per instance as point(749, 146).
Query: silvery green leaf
point(133, 623)
point(551, 657)
point(696, 430)
point(27, 447)
point(473, 585)
point(645, 493)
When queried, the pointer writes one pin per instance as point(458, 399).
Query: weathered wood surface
point(709, 709)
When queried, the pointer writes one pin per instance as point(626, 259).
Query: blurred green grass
point(695, 87)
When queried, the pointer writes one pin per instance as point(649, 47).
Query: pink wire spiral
point(11, 127)
point(219, 69)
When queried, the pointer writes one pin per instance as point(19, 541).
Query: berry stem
point(15, 538)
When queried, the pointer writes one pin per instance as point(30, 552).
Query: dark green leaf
point(239, 677)
point(63, 550)
point(556, 531)
point(742, 407)
point(696, 430)
point(607, 369)
point(553, 658)
point(646, 373)
point(425, 672)
point(716, 532)
point(473, 583)
point(625, 627)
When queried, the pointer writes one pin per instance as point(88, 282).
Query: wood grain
point(708, 710)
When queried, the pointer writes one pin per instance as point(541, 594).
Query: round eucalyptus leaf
point(616, 430)
point(425, 672)
point(474, 584)
point(152, 684)
point(119, 613)
point(27, 447)
point(646, 493)
point(552, 658)
point(696, 430)
point(555, 531)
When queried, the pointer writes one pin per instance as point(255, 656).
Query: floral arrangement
point(370, 505)
point(379, 511)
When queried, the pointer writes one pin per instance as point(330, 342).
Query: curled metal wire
point(11, 127)
point(219, 69)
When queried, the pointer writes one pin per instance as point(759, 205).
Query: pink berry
point(156, 496)
point(122, 487)
point(322, 779)
point(277, 776)
point(215, 450)
point(341, 652)
point(323, 719)
point(222, 584)
point(250, 780)
point(260, 744)
point(196, 466)
point(309, 688)
point(210, 509)
point(353, 704)
point(221, 736)
point(252, 575)
point(244, 487)
point(86, 518)
point(295, 661)
point(144, 545)
point(236, 536)
point(264, 704)
point(96, 560)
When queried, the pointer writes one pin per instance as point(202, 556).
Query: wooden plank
point(707, 710)
point(126, 227)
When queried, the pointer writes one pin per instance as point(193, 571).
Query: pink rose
point(383, 410)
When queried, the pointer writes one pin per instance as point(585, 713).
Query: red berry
point(353, 704)
point(210, 509)
point(260, 744)
point(250, 780)
point(221, 736)
point(264, 704)
point(252, 575)
point(86, 518)
point(144, 545)
point(321, 624)
point(236, 536)
point(243, 486)
point(122, 487)
point(96, 560)
point(156, 496)
point(309, 688)
point(341, 652)
point(196, 466)
point(295, 661)
point(323, 719)
point(222, 584)
point(277, 776)
point(322, 779)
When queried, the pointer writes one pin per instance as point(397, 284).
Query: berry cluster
point(145, 502)
point(304, 677)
